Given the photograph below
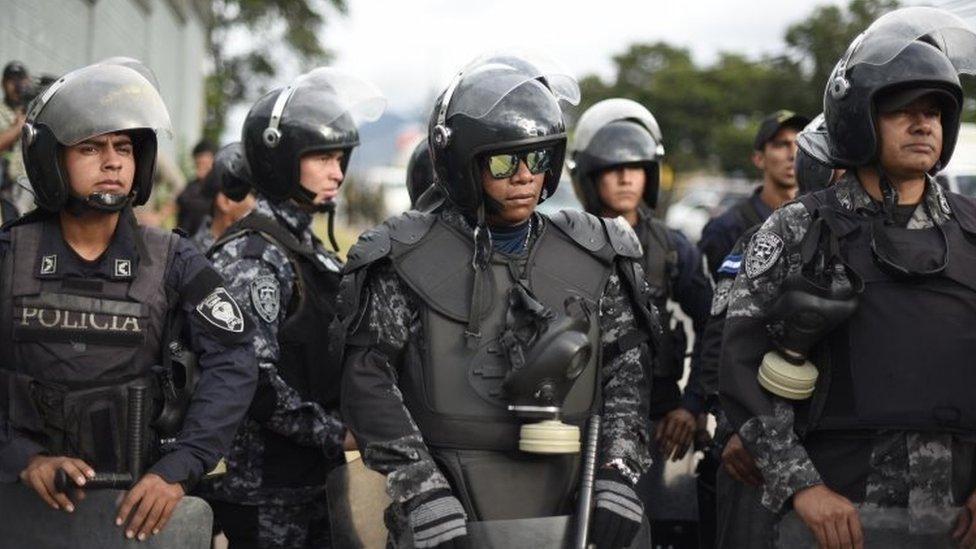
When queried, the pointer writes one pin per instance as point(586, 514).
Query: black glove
point(617, 511)
point(437, 519)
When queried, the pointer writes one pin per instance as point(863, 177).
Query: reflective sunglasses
point(505, 165)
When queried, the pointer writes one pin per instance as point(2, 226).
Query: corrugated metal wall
point(55, 36)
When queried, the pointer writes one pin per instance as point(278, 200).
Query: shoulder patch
point(220, 310)
point(585, 229)
point(730, 265)
point(266, 297)
point(764, 251)
point(623, 238)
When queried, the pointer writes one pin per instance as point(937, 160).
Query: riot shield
point(26, 521)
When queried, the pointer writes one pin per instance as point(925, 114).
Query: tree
point(241, 75)
point(709, 114)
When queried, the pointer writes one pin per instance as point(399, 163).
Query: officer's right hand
point(830, 516)
point(437, 519)
point(739, 463)
point(40, 472)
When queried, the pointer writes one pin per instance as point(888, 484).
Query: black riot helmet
point(319, 111)
point(497, 103)
point(911, 48)
point(420, 172)
point(812, 164)
point(612, 133)
point(230, 174)
point(102, 98)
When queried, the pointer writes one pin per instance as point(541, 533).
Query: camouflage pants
point(266, 526)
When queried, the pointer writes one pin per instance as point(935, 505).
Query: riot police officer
point(297, 141)
point(90, 301)
point(420, 179)
point(871, 280)
point(741, 520)
point(458, 318)
point(228, 187)
point(615, 154)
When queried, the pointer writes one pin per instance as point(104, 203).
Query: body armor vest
point(660, 266)
point(904, 359)
point(452, 385)
point(308, 361)
point(72, 346)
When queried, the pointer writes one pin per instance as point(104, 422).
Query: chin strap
point(98, 202)
point(307, 198)
point(889, 196)
point(479, 262)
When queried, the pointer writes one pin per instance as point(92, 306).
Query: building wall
point(55, 36)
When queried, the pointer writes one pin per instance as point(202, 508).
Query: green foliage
point(239, 76)
point(709, 114)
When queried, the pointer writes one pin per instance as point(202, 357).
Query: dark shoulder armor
point(407, 228)
point(585, 229)
point(623, 238)
point(963, 209)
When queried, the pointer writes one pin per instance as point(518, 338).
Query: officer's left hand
point(156, 500)
point(675, 433)
point(965, 532)
point(617, 511)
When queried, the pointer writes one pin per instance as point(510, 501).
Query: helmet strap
point(97, 202)
point(889, 196)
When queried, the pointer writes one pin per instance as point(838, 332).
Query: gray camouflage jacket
point(251, 281)
point(905, 469)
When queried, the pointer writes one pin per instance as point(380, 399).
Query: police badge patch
point(266, 297)
point(764, 250)
point(220, 309)
point(721, 298)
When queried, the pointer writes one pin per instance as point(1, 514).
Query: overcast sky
point(410, 48)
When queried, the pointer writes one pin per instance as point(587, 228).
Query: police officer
point(887, 254)
point(450, 312)
point(228, 185)
point(615, 156)
point(773, 151)
point(420, 179)
point(89, 300)
point(741, 519)
point(297, 140)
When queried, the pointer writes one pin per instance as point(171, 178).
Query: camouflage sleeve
point(264, 287)
point(372, 403)
point(764, 422)
point(625, 427)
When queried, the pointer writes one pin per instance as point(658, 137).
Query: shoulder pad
point(585, 229)
point(623, 238)
point(963, 209)
point(407, 228)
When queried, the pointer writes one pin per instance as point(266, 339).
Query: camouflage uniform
point(303, 422)
point(393, 322)
point(14, 191)
point(905, 469)
point(203, 238)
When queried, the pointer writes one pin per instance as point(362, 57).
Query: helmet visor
point(894, 31)
point(491, 77)
point(99, 99)
point(345, 93)
point(611, 110)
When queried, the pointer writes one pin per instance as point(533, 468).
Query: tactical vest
point(71, 347)
point(307, 361)
point(451, 382)
point(904, 360)
point(660, 262)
